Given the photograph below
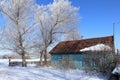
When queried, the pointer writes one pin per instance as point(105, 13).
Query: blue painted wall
point(77, 59)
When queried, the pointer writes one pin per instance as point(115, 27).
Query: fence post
point(9, 60)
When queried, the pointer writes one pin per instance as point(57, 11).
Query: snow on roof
point(98, 47)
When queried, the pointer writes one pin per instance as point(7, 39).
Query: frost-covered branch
point(54, 20)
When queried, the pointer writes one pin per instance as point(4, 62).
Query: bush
point(103, 61)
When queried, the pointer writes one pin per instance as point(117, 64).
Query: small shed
point(77, 53)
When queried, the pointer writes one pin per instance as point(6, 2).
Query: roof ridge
point(87, 39)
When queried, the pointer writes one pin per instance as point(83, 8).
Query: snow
point(28, 60)
point(44, 73)
point(116, 70)
point(98, 47)
point(20, 60)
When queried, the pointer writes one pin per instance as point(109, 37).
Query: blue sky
point(98, 17)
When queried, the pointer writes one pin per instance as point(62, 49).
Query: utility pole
point(114, 25)
point(114, 38)
point(113, 29)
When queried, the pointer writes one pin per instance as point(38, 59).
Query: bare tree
point(54, 20)
point(18, 33)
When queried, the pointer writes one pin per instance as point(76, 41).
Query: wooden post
point(9, 60)
point(113, 38)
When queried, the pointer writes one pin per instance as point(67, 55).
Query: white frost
point(98, 47)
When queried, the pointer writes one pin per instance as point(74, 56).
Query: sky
point(97, 17)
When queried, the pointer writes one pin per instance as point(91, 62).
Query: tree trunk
point(41, 62)
point(23, 61)
point(45, 57)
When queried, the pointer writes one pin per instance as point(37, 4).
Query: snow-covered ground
point(46, 73)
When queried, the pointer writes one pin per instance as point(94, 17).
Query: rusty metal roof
point(75, 45)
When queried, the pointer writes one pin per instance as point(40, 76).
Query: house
point(80, 53)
